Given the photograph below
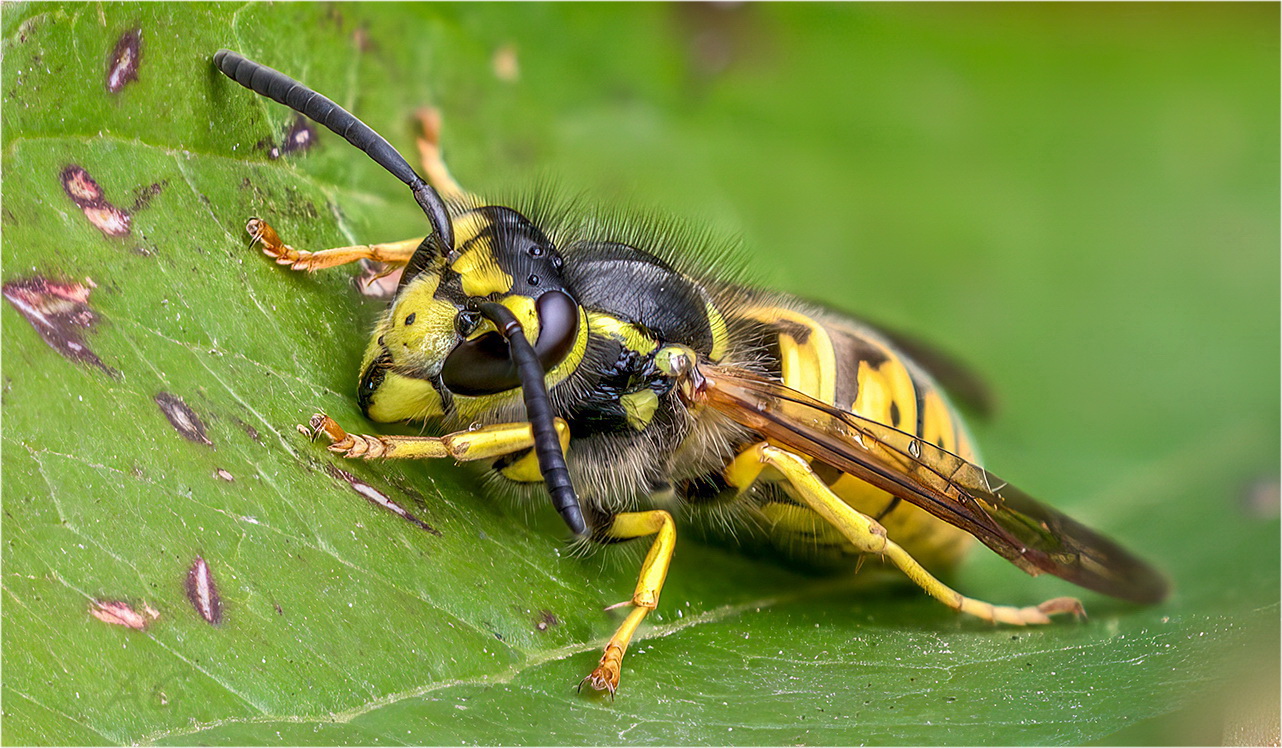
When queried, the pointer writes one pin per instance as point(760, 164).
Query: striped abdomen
point(840, 361)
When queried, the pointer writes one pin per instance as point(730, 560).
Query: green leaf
point(1082, 201)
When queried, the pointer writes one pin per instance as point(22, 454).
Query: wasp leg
point(646, 597)
point(266, 238)
point(429, 152)
point(487, 443)
point(868, 536)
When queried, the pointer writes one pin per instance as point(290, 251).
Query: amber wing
point(1031, 535)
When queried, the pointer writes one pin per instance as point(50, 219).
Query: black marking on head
point(58, 312)
point(427, 255)
point(203, 593)
point(88, 196)
point(372, 379)
point(521, 250)
point(380, 499)
point(182, 418)
point(122, 65)
point(894, 415)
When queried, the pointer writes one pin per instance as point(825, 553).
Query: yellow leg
point(646, 596)
point(489, 442)
point(265, 237)
point(868, 536)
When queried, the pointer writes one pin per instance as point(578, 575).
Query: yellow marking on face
point(809, 367)
point(626, 333)
point(480, 272)
point(640, 407)
point(401, 398)
point(418, 331)
point(469, 226)
point(720, 334)
point(522, 307)
point(477, 266)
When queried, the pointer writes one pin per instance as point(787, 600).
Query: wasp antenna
point(538, 408)
point(281, 88)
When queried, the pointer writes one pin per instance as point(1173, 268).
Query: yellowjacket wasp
point(594, 363)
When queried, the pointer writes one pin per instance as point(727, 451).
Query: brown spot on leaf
point(299, 137)
point(121, 613)
point(59, 311)
point(182, 418)
point(224, 475)
point(80, 187)
point(143, 195)
point(546, 619)
point(203, 593)
point(122, 65)
point(250, 431)
point(377, 497)
point(88, 196)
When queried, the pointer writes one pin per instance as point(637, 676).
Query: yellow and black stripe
point(841, 362)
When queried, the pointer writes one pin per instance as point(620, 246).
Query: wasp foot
point(343, 443)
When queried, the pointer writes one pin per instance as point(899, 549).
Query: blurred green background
point(1080, 200)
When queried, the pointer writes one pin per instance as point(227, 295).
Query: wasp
point(595, 363)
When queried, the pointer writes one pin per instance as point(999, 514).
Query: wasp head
point(434, 344)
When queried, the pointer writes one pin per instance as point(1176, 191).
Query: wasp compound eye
point(484, 366)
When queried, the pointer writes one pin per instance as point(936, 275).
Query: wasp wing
point(1031, 535)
